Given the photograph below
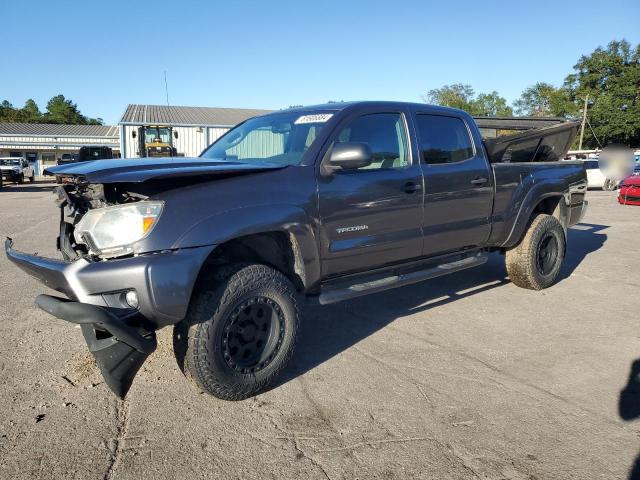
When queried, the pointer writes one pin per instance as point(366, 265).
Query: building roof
point(188, 116)
point(58, 130)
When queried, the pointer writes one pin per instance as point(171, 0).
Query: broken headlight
point(112, 231)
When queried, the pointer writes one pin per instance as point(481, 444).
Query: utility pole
point(584, 120)
point(166, 89)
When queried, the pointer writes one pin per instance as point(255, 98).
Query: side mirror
point(350, 156)
point(175, 134)
point(134, 134)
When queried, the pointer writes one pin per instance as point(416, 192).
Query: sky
point(273, 54)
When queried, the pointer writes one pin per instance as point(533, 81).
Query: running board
point(338, 294)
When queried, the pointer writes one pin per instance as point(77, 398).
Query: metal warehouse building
point(43, 143)
point(197, 127)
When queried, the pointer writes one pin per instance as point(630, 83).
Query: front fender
point(239, 222)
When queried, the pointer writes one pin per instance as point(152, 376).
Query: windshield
point(281, 138)
point(157, 135)
point(9, 161)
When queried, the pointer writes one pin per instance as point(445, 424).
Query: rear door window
point(443, 139)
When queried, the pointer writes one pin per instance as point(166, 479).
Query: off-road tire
point(199, 341)
point(523, 261)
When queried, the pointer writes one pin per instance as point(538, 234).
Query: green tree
point(61, 110)
point(30, 112)
point(490, 105)
point(463, 97)
point(8, 113)
point(611, 78)
point(456, 95)
point(545, 100)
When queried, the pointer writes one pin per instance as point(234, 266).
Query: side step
point(336, 294)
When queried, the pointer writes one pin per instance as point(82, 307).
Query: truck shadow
point(629, 408)
point(328, 331)
point(37, 186)
point(582, 239)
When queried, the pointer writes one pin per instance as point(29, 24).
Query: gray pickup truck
point(317, 204)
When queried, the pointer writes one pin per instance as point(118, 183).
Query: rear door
point(458, 184)
point(371, 217)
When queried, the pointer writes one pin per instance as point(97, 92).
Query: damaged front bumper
point(119, 336)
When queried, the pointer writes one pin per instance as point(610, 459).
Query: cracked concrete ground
point(463, 377)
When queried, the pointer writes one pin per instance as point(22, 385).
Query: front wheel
point(239, 332)
point(536, 261)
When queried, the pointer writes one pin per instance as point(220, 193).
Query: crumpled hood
point(137, 170)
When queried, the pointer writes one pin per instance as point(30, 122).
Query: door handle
point(412, 187)
point(479, 181)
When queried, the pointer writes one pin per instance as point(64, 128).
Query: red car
point(629, 193)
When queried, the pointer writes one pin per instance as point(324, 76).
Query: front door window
point(386, 136)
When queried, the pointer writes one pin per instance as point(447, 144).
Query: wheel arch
point(279, 249)
point(550, 203)
point(261, 234)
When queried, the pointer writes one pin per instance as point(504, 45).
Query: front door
point(371, 216)
point(458, 185)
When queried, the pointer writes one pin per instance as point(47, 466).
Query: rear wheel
point(536, 261)
point(21, 178)
point(32, 178)
point(239, 332)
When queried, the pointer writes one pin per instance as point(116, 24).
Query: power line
point(594, 133)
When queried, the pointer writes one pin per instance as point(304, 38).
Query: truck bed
point(547, 144)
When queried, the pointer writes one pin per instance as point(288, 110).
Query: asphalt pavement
point(461, 377)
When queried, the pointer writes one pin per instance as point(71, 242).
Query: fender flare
point(532, 199)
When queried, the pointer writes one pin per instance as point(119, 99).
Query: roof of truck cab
point(338, 106)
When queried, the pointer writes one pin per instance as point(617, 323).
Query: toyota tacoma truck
point(318, 204)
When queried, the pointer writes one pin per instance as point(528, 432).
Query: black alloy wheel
point(253, 335)
point(547, 254)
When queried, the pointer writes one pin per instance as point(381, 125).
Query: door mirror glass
point(350, 155)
